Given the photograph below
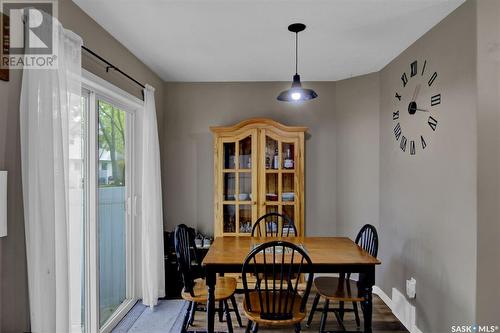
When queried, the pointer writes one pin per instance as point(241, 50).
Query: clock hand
point(412, 108)
point(416, 92)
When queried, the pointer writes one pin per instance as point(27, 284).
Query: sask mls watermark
point(474, 328)
point(29, 34)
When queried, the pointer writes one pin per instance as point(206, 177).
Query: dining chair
point(269, 225)
point(342, 288)
point(274, 299)
point(195, 289)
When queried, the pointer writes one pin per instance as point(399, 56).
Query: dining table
point(328, 255)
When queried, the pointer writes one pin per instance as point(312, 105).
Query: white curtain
point(50, 121)
point(153, 271)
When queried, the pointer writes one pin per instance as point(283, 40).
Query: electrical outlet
point(411, 291)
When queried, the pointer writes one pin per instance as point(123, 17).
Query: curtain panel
point(153, 270)
point(51, 155)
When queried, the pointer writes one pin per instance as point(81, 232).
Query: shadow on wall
point(432, 283)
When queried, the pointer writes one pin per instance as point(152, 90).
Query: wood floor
point(383, 320)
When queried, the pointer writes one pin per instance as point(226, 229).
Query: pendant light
point(296, 93)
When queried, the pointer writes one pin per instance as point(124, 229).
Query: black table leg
point(366, 305)
point(365, 284)
point(210, 280)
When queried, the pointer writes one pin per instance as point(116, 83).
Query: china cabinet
point(259, 168)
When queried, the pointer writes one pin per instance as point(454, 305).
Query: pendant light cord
point(296, 52)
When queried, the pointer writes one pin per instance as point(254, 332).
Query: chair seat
point(337, 289)
point(254, 315)
point(224, 289)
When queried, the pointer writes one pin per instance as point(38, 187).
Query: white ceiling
point(248, 40)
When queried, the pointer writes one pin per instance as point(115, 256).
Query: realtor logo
point(29, 36)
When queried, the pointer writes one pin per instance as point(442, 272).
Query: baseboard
point(383, 296)
point(400, 307)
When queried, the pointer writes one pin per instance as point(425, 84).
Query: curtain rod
point(111, 66)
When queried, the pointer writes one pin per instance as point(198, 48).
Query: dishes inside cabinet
point(244, 196)
point(271, 197)
point(288, 196)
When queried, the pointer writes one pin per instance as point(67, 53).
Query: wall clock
point(417, 100)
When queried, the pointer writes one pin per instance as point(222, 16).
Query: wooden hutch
point(259, 168)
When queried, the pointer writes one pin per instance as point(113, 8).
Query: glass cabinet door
point(259, 166)
point(279, 191)
point(239, 179)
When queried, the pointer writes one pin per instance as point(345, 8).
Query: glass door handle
point(128, 206)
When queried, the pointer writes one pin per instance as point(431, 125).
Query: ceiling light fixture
point(296, 93)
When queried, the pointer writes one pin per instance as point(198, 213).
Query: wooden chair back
point(277, 265)
point(367, 239)
point(186, 255)
point(274, 225)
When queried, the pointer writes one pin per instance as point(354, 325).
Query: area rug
point(166, 317)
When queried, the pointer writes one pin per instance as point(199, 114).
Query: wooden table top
point(322, 250)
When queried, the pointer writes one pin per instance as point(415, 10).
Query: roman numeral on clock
point(404, 78)
point(412, 147)
point(423, 68)
point(436, 99)
point(424, 144)
point(402, 145)
point(395, 115)
point(398, 96)
point(413, 69)
point(397, 131)
point(432, 79)
point(432, 123)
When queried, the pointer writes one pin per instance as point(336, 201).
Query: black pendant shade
point(296, 93)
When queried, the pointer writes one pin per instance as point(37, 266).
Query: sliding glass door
point(112, 217)
point(108, 291)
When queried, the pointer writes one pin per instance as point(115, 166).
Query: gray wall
point(424, 206)
point(342, 165)
point(14, 315)
point(357, 145)
point(428, 201)
point(488, 187)
point(191, 108)
point(14, 305)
